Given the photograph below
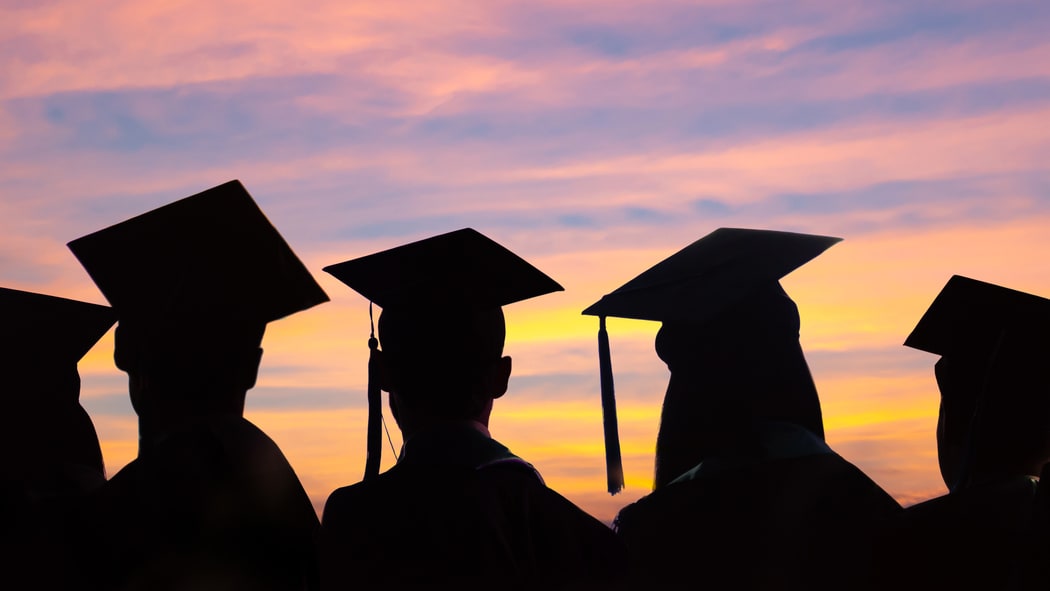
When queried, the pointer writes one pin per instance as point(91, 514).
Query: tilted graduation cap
point(694, 286)
point(43, 331)
point(970, 316)
point(212, 256)
point(460, 270)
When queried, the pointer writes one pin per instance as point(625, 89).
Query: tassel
point(613, 461)
point(374, 435)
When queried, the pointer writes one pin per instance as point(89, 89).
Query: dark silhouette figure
point(210, 502)
point(458, 510)
point(53, 455)
point(1034, 569)
point(747, 494)
point(993, 439)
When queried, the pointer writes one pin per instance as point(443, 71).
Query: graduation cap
point(209, 258)
point(970, 316)
point(694, 286)
point(43, 331)
point(449, 274)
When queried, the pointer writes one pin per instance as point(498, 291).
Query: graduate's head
point(447, 363)
point(751, 334)
point(194, 284)
point(994, 380)
point(742, 368)
point(201, 365)
point(994, 417)
point(729, 336)
point(746, 362)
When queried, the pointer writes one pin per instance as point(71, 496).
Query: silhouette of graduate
point(458, 510)
point(993, 439)
point(46, 336)
point(210, 502)
point(747, 494)
point(53, 455)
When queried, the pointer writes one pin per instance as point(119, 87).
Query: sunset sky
point(593, 138)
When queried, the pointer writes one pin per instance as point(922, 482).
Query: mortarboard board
point(211, 256)
point(699, 281)
point(464, 269)
point(970, 316)
point(694, 286)
point(456, 271)
point(43, 330)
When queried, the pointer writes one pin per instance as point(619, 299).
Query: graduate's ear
point(499, 377)
point(250, 369)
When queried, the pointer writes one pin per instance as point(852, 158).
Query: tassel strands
point(374, 436)
point(613, 461)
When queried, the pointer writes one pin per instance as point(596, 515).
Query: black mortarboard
point(47, 331)
point(694, 286)
point(449, 273)
point(209, 257)
point(463, 269)
point(970, 316)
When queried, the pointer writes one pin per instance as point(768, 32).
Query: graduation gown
point(213, 506)
point(790, 514)
point(36, 538)
point(983, 537)
point(459, 510)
